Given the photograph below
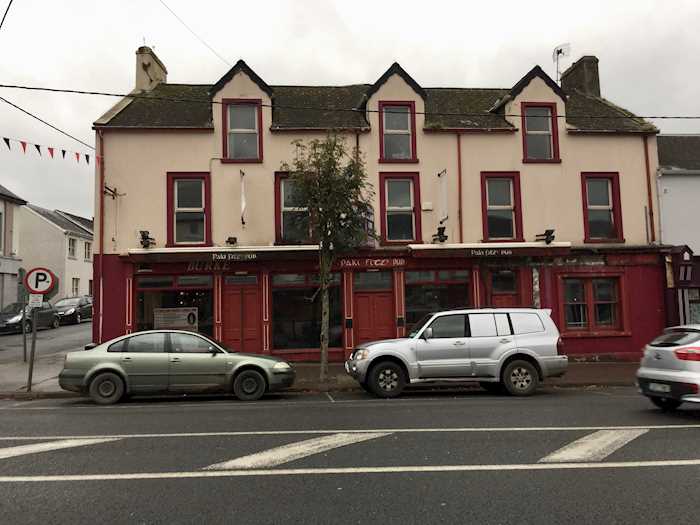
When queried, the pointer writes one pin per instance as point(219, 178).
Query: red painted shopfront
point(605, 304)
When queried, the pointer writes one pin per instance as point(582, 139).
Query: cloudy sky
point(648, 53)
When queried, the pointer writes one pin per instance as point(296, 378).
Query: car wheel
point(492, 388)
point(77, 318)
point(520, 378)
point(386, 379)
point(106, 388)
point(249, 385)
point(666, 404)
point(55, 323)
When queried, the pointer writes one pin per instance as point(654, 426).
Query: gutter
point(650, 199)
point(100, 264)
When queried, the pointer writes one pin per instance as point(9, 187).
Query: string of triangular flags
point(52, 152)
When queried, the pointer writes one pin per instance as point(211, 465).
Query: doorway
point(242, 313)
point(374, 316)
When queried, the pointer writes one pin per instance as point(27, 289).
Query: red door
point(374, 316)
point(242, 315)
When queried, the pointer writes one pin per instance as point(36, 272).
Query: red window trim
point(412, 110)
point(614, 178)
point(555, 132)
point(225, 103)
point(172, 176)
point(623, 325)
point(279, 177)
point(415, 178)
point(514, 176)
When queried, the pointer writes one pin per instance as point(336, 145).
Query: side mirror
point(90, 346)
point(427, 333)
point(213, 350)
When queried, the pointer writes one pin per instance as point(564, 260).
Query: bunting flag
point(51, 149)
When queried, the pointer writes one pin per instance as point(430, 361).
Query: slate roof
point(679, 152)
point(62, 222)
point(82, 221)
point(477, 108)
point(7, 195)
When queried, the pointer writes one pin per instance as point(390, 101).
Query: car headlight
point(70, 311)
point(361, 354)
point(281, 366)
point(15, 319)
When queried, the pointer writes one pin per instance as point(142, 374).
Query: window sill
point(511, 239)
point(385, 242)
point(542, 161)
point(398, 161)
point(618, 240)
point(241, 161)
point(189, 245)
point(595, 333)
point(72, 257)
point(280, 242)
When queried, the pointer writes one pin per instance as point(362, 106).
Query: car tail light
point(688, 354)
point(560, 346)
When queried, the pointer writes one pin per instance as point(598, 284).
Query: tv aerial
point(562, 50)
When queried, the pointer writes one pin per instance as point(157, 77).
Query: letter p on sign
point(39, 280)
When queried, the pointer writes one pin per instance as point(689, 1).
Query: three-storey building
point(535, 195)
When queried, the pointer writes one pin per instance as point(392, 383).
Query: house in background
point(61, 242)
point(679, 193)
point(10, 261)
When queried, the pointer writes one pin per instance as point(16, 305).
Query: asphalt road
point(563, 456)
point(48, 341)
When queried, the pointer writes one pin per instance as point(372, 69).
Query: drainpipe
point(459, 186)
point(650, 200)
point(101, 232)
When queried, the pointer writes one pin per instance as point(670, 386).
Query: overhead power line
point(45, 123)
point(331, 109)
point(196, 35)
point(5, 15)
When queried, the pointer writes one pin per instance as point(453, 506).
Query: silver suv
point(501, 348)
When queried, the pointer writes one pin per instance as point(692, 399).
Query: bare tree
point(331, 183)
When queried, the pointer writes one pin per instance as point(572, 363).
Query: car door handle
point(174, 359)
point(126, 359)
point(504, 340)
point(459, 343)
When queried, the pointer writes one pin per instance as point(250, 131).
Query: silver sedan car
point(170, 361)
point(669, 374)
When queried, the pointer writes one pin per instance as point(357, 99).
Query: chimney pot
point(583, 76)
point(150, 71)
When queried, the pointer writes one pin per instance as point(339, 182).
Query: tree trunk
point(324, 271)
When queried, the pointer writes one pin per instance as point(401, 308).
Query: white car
point(511, 348)
point(669, 374)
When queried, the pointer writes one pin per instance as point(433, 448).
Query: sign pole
point(24, 331)
point(35, 317)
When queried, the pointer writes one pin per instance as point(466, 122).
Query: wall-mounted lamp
point(547, 236)
point(146, 240)
point(232, 241)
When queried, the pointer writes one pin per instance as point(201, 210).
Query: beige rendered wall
point(136, 164)
point(42, 244)
point(79, 268)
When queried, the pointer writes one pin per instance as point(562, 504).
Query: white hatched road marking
point(22, 450)
point(352, 470)
point(286, 453)
point(594, 447)
point(353, 431)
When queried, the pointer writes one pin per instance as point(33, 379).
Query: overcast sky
point(648, 51)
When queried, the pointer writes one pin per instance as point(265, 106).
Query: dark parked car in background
point(74, 309)
point(11, 317)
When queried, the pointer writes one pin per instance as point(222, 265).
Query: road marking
point(328, 395)
point(293, 451)
point(353, 431)
point(22, 450)
point(352, 470)
point(594, 447)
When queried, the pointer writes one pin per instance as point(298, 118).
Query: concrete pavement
point(345, 457)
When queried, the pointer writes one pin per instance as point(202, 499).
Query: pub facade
point(483, 197)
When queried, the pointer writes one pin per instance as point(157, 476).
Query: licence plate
point(659, 387)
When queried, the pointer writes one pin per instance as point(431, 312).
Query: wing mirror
point(427, 333)
point(90, 346)
point(213, 350)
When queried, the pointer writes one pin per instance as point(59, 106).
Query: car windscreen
point(75, 301)
point(676, 338)
point(12, 308)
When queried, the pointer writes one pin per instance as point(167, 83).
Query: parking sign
point(39, 280)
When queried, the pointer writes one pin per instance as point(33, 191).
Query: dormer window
point(397, 130)
point(540, 132)
point(242, 121)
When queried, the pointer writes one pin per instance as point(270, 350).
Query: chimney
point(583, 76)
point(150, 71)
